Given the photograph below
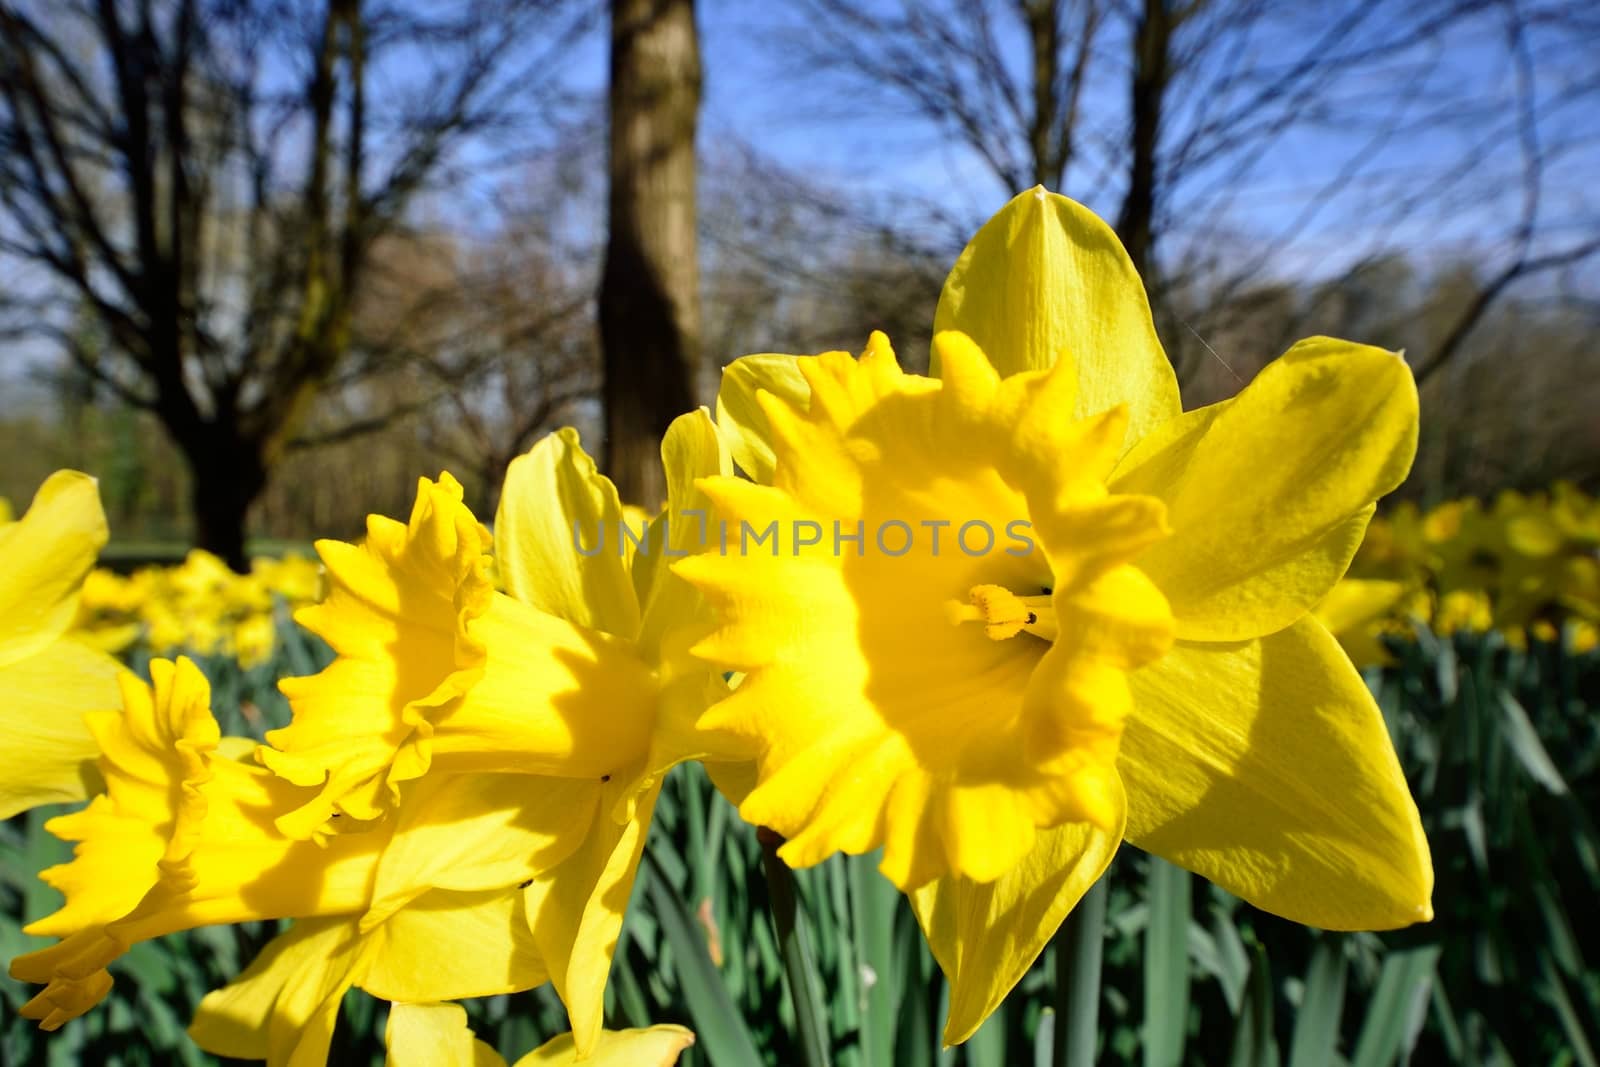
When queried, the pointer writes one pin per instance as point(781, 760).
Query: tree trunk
point(650, 289)
point(227, 476)
point(1152, 68)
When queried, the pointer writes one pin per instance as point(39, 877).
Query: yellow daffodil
point(185, 836)
point(941, 700)
point(1466, 611)
point(578, 671)
point(49, 682)
point(1582, 637)
point(1251, 752)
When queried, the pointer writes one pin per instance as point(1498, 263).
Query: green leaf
point(1253, 1041)
point(987, 1047)
point(1524, 740)
point(1571, 1024)
point(799, 961)
point(873, 900)
point(1166, 974)
point(1078, 952)
point(718, 1026)
point(1316, 1028)
point(1044, 1039)
point(1397, 1007)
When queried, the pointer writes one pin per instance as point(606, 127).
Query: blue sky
point(1280, 207)
point(756, 92)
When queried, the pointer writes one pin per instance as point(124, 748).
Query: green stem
point(784, 897)
point(1078, 947)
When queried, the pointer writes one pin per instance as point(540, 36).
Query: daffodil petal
point(575, 912)
point(447, 945)
point(692, 449)
point(1266, 767)
point(47, 553)
point(986, 935)
point(554, 500)
point(471, 832)
point(740, 418)
point(1046, 280)
point(47, 753)
point(434, 1035)
point(1268, 494)
point(282, 1009)
point(658, 1046)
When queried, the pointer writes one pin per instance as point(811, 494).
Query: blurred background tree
point(204, 183)
point(503, 236)
point(650, 289)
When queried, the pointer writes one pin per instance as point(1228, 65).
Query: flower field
point(1496, 731)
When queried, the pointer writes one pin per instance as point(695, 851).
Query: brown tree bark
point(227, 474)
point(1152, 69)
point(650, 288)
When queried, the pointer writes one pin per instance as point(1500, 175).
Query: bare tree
point(649, 292)
point(1172, 117)
point(207, 179)
point(806, 267)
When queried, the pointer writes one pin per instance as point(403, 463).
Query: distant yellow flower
point(1583, 637)
point(48, 682)
point(107, 611)
point(1253, 753)
point(199, 606)
point(1356, 612)
point(295, 578)
point(1463, 611)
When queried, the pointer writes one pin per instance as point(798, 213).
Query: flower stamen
point(1004, 614)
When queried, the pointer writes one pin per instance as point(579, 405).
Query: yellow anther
point(1004, 614)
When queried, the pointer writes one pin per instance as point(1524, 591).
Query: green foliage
point(1502, 749)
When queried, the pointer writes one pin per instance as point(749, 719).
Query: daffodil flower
point(1250, 752)
point(46, 751)
point(184, 836)
point(932, 693)
point(578, 672)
